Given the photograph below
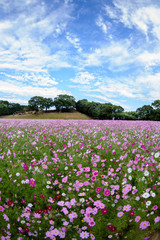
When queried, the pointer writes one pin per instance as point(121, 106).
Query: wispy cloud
point(83, 78)
point(100, 22)
point(29, 91)
point(74, 40)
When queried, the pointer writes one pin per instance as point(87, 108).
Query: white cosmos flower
point(130, 177)
point(129, 170)
point(146, 173)
point(148, 203)
point(30, 205)
point(146, 195)
point(153, 194)
point(156, 155)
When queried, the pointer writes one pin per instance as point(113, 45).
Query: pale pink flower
point(84, 234)
point(137, 219)
point(37, 215)
point(144, 224)
point(64, 180)
point(120, 214)
point(127, 208)
point(157, 219)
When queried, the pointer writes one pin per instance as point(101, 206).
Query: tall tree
point(36, 103)
point(48, 102)
point(156, 106)
point(82, 106)
point(64, 102)
point(145, 112)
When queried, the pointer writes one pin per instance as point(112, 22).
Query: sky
point(99, 50)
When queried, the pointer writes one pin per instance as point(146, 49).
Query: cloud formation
point(108, 50)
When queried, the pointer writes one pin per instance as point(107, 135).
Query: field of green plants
point(79, 179)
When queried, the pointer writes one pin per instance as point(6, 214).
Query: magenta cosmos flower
point(1, 209)
point(98, 189)
point(106, 192)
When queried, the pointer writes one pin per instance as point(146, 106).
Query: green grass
point(49, 115)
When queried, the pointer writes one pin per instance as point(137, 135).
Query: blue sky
point(101, 50)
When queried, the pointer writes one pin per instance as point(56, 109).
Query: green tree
point(117, 110)
point(36, 103)
point(82, 106)
point(106, 111)
point(64, 102)
point(156, 106)
point(145, 112)
point(94, 110)
point(47, 103)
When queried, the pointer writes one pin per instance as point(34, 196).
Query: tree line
point(96, 110)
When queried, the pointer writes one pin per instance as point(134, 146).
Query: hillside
point(49, 115)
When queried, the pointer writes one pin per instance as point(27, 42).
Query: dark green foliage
point(145, 112)
point(64, 102)
point(39, 103)
point(7, 108)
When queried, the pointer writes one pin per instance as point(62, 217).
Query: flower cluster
point(79, 179)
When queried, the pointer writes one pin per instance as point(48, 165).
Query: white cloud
point(143, 15)
point(83, 78)
point(149, 58)
point(100, 22)
point(22, 37)
point(152, 83)
point(74, 40)
point(29, 91)
point(15, 100)
point(115, 54)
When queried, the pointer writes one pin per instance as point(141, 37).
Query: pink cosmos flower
point(84, 234)
point(127, 208)
point(55, 232)
point(157, 219)
point(93, 178)
point(44, 166)
point(51, 221)
point(104, 211)
point(106, 192)
point(137, 219)
point(5, 217)
point(62, 234)
point(132, 213)
point(144, 224)
point(155, 207)
point(49, 234)
point(37, 215)
point(98, 189)
point(92, 236)
point(64, 180)
point(120, 214)
point(92, 223)
point(98, 147)
point(32, 182)
point(1, 209)
point(64, 210)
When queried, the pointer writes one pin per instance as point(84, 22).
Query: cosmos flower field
point(79, 179)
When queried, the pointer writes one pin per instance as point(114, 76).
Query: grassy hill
point(49, 115)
